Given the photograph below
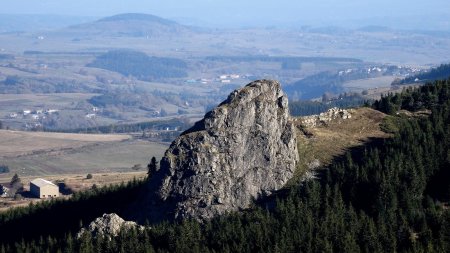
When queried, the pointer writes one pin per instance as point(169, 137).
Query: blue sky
point(244, 12)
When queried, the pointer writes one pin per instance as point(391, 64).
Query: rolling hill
point(128, 25)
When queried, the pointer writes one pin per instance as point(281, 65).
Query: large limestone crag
point(243, 149)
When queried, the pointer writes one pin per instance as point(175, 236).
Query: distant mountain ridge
point(128, 25)
point(139, 17)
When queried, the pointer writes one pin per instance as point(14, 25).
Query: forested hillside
point(441, 72)
point(390, 195)
point(307, 107)
point(140, 65)
point(314, 86)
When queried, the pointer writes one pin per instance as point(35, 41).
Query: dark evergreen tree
point(152, 167)
point(15, 180)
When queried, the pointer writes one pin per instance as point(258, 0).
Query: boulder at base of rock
point(109, 225)
point(243, 149)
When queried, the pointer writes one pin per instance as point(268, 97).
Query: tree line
point(307, 107)
point(140, 65)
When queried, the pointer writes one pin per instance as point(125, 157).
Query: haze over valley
point(224, 126)
point(134, 67)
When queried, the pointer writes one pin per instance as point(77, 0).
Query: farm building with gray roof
point(43, 189)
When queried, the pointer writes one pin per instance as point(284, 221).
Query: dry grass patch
point(16, 143)
point(79, 182)
point(322, 144)
point(95, 157)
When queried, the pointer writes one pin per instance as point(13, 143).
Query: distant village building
point(3, 191)
point(51, 111)
point(43, 189)
point(205, 80)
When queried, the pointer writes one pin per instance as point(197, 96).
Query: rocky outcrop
point(109, 225)
point(243, 149)
point(325, 117)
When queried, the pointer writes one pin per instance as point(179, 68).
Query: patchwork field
point(15, 102)
point(45, 154)
point(369, 83)
point(68, 158)
point(19, 143)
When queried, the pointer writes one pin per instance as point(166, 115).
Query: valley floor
point(68, 158)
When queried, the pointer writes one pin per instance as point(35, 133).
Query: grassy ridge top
point(323, 143)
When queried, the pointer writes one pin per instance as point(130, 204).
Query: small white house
point(43, 189)
point(3, 191)
point(51, 111)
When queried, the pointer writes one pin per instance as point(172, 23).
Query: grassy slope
point(17, 143)
point(324, 143)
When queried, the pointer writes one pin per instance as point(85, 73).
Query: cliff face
point(244, 148)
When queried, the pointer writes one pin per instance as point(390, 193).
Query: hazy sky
point(233, 12)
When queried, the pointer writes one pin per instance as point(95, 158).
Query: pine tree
point(152, 167)
point(15, 180)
